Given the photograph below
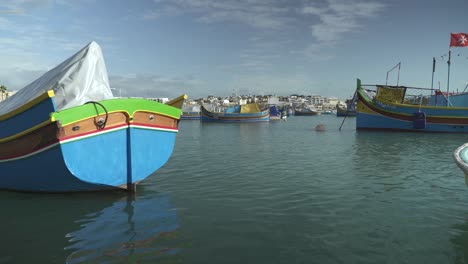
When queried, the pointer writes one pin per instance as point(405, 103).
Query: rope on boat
point(354, 96)
point(101, 124)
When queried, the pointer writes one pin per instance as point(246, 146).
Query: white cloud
point(339, 17)
point(26, 4)
point(258, 14)
point(146, 85)
point(328, 22)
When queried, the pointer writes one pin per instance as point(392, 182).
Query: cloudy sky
point(164, 48)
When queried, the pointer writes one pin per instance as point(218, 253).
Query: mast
point(448, 77)
point(396, 66)
point(433, 71)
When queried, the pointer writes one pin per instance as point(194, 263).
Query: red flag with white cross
point(458, 39)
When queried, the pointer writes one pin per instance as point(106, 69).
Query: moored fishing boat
point(385, 107)
point(346, 110)
point(275, 113)
point(238, 114)
point(400, 108)
point(306, 110)
point(191, 112)
point(65, 132)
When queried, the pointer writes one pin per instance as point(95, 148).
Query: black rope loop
point(100, 123)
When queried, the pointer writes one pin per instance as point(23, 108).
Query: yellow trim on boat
point(178, 102)
point(24, 132)
point(35, 101)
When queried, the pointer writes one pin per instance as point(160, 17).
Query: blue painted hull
point(34, 116)
point(117, 156)
point(43, 172)
point(94, 163)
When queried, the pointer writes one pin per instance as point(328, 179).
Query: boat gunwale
point(362, 90)
point(23, 108)
point(130, 106)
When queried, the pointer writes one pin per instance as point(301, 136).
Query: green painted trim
point(128, 105)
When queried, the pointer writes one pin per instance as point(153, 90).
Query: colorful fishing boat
point(400, 108)
point(275, 113)
point(190, 112)
point(237, 114)
point(65, 132)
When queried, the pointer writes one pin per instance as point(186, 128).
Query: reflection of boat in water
point(128, 230)
point(87, 228)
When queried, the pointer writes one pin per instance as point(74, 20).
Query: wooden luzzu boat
point(237, 114)
point(400, 108)
point(65, 132)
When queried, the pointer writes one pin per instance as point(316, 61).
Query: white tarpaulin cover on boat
point(79, 79)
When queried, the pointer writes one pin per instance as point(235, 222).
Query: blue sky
point(164, 48)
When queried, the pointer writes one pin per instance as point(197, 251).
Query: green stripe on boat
point(129, 105)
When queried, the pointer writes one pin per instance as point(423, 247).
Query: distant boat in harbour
point(346, 110)
point(190, 112)
point(276, 113)
point(236, 114)
point(306, 110)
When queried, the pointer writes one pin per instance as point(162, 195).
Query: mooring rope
point(100, 124)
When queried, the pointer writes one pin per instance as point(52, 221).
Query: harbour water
point(277, 192)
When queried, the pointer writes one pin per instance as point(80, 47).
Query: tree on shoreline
point(4, 92)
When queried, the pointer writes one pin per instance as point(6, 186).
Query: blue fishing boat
point(237, 114)
point(190, 112)
point(65, 132)
point(401, 108)
point(276, 113)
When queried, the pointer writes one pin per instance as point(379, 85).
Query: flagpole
point(448, 77)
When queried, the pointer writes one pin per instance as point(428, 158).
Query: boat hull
point(306, 113)
point(75, 152)
point(190, 116)
point(344, 112)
